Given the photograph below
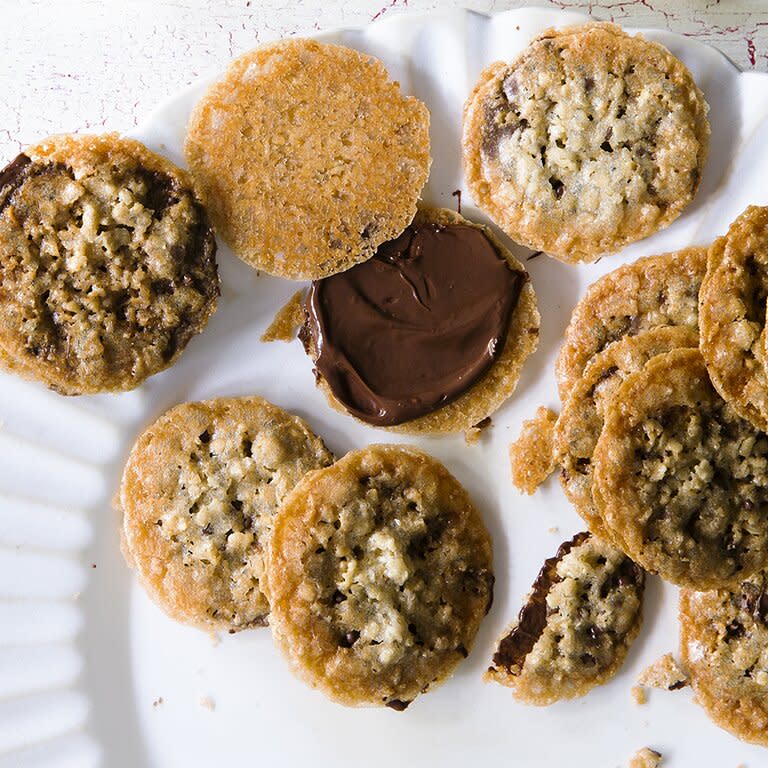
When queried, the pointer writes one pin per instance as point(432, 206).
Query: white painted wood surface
point(95, 65)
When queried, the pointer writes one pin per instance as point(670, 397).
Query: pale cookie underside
point(681, 478)
point(581, 617)
point(732, 307)
point(581, 420)
point(309, 156)
point(648, 293)
point(498, 383)
point(198, 495)
point(107, 263)
point(379, 573)
point(591, 139)
point(724, 647)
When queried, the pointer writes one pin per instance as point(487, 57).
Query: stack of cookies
point(663, 452)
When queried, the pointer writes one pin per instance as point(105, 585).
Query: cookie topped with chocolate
point(428, 335)
point(591, 139)
point(580, 618)
point(107, 263)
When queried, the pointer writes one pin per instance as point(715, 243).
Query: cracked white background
point(96, 65)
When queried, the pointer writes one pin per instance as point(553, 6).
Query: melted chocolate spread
point(411, 329)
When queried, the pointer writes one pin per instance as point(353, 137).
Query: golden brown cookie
point(531, 456)
point(378, 575)
point(493, 386)
point(107, 263)
point(581, 420)
point(590, 140)
point(198, 496)
point(681, 477)
point(309, 157)
point(724, 646)
point(732, 314)
point(648, 293)
point(581, 616)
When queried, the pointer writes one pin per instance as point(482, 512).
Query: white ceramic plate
point(92, 673)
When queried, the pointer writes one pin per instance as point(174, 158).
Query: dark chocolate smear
point(12, 177)
point(532, 619)
point(411, 329)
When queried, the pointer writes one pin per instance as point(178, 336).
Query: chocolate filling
point(415, 326)
point(532, 618)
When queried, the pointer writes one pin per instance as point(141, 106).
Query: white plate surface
point(92, 673)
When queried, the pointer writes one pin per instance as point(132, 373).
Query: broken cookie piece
point(664, 673)
point(645, 758)
point(581, 616)
point(531, 455)
point(289, 318)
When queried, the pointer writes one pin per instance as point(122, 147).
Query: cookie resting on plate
point(581, 420)
point(732, 306)
point(648, 293)
point(107, 263)
point(309, 157)
point(682, 478)
point(580, 618)
point(590, 140)
point(198, 497)
point(430, 335)
point(379, 572)
point(724, 647)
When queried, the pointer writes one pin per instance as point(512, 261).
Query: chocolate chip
point(349, 639)
point(338, 597)
point(734, 630)
point(589, 83)
point(205, 438)
point(162, 191)
point(398, 704)
point(754, 601)
point(557, 186)
point(12, 177)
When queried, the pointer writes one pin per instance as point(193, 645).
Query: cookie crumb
point(664, 673)
point(645, 758)
point(289, 318)
point(472, 435)
point(157, 702)
point(638, 694)
point(531, 456)
point(206, 702)
point(553, 529)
